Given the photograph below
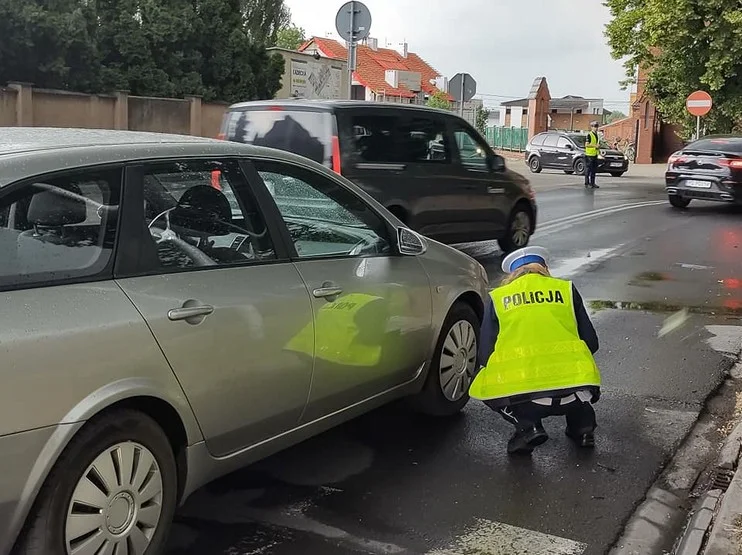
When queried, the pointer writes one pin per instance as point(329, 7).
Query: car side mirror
point(410, 243)
point(496, 163)
point(570, 146)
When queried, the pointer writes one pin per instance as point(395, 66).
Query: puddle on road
point(661, 307)
point(645, 279)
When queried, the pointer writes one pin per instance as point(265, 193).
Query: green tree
point(264, 18)
point(291, 37)
point(685, 46)
point(439, 100)
point(615, 115)
point(481, 116)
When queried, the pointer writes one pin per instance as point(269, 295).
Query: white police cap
point(526, 255)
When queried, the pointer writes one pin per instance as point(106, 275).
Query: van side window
point(423, 140)
point(374, 138)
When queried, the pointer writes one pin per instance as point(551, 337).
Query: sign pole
point(461, 108)
point(698, 127)
point(351, 49)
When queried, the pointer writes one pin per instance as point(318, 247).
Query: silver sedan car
point(174, 308)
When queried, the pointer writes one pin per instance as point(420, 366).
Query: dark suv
point(566, 151)
point(430, 168)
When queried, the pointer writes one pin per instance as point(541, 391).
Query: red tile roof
point(372, 65)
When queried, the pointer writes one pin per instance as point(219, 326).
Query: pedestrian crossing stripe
point(497, 538)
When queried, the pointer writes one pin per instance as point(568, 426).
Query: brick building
point(570, 113)
point(383, 74)
point(655, 140)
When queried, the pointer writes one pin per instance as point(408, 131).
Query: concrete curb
point(725, 537)
point(691, 542)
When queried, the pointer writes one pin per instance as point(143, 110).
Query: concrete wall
point(23, 105)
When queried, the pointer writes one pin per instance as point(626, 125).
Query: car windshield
point(580, 138)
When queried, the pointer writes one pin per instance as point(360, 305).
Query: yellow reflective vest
point(348, 331)
point(538, 347)
point(591, 144)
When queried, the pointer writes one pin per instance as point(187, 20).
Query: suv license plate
point(696, 184)
point(616, 164)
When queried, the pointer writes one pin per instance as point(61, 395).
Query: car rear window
point(723, 144)
point(303, 132)
point(538, 140)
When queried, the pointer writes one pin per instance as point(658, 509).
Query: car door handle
point(327, 291)
point(191, 314)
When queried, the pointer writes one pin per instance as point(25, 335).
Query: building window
point(578, 111)
point(507, 110)
point(553, 110)
point(525, 111)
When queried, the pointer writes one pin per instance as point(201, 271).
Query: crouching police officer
point(536, 353)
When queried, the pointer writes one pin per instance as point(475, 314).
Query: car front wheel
point(535, 164)
point(446, 389)
point(113, 490)
point(519, 230)
point(580, 167)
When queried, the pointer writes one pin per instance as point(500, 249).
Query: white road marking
point(559, 224)
point(496, 538)
point(570, 266)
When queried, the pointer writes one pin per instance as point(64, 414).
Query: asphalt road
point(393, 482)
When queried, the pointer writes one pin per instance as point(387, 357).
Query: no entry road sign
point(699, 103)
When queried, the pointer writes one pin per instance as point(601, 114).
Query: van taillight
point(215, 176)
point(336, 155)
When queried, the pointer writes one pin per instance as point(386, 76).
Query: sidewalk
point(716, 525)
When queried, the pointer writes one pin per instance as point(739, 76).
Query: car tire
point(617, 174)
point(453, 367)
point(85, 471)
point(569, 172)
point(519, 230)
point(678, 202)
point(580, 167)
point(534, 164)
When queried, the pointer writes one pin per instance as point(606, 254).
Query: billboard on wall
point(315, 80)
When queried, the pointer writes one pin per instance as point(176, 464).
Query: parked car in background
point(429, 167)
point(175, 308)
point(564, 151)
point(707, 169)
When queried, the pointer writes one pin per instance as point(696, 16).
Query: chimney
point(405, 49)
point(372, 43)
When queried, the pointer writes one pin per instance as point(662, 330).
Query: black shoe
point(595, 186)
point(586, 441)
point(523, 443)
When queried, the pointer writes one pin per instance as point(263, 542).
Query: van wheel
point(580, 167)
point(446, 389)
point(113, 490)
point(519, 230)
point(534, 164)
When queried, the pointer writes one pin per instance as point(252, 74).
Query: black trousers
point(524, 416)
point(591, 168)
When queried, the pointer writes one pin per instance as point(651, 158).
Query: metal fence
point(507, 138)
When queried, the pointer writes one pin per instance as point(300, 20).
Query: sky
point(503, 44)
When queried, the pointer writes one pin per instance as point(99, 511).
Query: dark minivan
point(430, 168)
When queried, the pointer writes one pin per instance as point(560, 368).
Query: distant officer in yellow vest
point(536, 354)
point(592, 146)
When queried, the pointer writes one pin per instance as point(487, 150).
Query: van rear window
point(305, 133)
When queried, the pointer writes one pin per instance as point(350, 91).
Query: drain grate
point(722, 478)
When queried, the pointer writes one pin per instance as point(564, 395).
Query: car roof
point(330, 105)
point(30, 151)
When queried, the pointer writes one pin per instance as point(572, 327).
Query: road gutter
point(661, 524)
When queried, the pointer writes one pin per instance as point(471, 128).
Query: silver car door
point(220, 300)
point(372, 308)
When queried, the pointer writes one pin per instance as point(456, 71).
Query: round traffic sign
point(354, 14)
point(699, 103)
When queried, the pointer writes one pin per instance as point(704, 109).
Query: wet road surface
point(394, 482)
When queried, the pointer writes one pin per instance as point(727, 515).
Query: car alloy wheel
point(458, 360)
point(580, 167)
point(520, 230)
point(117, 503)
